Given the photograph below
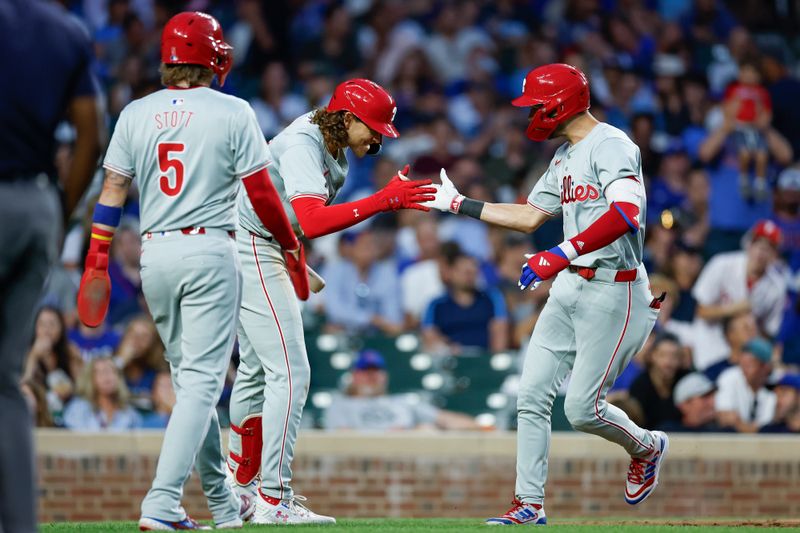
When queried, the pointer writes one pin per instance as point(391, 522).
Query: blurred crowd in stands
point(708, 89)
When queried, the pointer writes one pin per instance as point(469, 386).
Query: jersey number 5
point(165, 163)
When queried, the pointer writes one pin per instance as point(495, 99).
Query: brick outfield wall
point(436, 475)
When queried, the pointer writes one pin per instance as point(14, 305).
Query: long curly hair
point(332, 126)
point(194, 74)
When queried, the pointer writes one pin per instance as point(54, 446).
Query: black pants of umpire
point(30, 225)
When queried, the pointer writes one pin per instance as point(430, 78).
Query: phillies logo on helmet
point(580, 193)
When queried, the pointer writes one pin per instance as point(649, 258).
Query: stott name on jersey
point(173, 119)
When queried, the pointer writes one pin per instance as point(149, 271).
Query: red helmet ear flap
point(224, 61)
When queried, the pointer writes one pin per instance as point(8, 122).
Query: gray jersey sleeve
point(615, 158)
point(302, 171)
point(118, 156)
point(546, 195)
point(248, 144)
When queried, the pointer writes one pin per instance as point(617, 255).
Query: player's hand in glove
point(447, 196)
point(296, 265)
point(95, 289)
point(403, 193)
point(542, 266)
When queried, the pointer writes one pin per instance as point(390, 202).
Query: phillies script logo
point(580, 193)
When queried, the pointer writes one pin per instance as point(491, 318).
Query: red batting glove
point(403, 193)
point(548, 263)
point(95, 289)
point(296, 265)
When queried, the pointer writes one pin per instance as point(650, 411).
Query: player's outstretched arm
point(318, 219)
point(518, 217)
point(95, 289)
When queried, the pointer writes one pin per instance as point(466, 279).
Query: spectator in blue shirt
point(465, 316)
point(730, 215)
point(140, 356)
point(126, 283)
point(94, 342)
point(363, 293)
point(787, 215)
point(163, 400)
point(102, 401)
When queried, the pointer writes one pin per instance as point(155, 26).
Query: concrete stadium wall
point(104, 477)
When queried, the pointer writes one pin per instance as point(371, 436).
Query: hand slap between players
point(403, 193)
point(541, 266)
point(447, 196)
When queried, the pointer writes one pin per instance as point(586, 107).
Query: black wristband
point(471, 208)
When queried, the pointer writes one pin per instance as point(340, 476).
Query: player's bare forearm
point(85, 116)
point(115, 191)
point(518, 217)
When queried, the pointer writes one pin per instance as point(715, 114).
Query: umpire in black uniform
point(47, 79)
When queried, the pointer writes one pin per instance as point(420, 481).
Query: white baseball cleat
point(520, 514)
point(236, 523)
point(643, 471)
point(289, 511)
point(248, 494)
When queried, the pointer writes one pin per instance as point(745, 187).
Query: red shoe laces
point(636, 470)
point(516, 505)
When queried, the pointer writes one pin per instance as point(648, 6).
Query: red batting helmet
point(194, 38)
point(562, 92)
point(369, 102)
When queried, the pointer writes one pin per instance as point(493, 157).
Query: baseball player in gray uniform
point(308, 166)
point(600, 310)
point(188, 146)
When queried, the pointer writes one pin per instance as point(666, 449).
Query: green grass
point(389, 525)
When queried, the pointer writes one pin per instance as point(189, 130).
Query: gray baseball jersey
point(299, 154)
point(187, 149)
point(574, 186)
point(273, 375)
point(591, 328)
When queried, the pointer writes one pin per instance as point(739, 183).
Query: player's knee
point(580, 414)
point(530, 403)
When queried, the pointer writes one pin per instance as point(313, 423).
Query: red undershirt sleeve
point(317, 219)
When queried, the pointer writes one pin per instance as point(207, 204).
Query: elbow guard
point(629, 213)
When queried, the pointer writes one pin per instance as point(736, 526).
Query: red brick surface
point(112, 487)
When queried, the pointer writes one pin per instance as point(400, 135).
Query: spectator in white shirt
point(743, 402)
point(735, 282)
point(366, 404)
point(421, 282)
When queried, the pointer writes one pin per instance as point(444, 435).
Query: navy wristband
point(107, 215)
point(471, 208)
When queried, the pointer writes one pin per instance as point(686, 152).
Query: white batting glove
point(447, 196)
